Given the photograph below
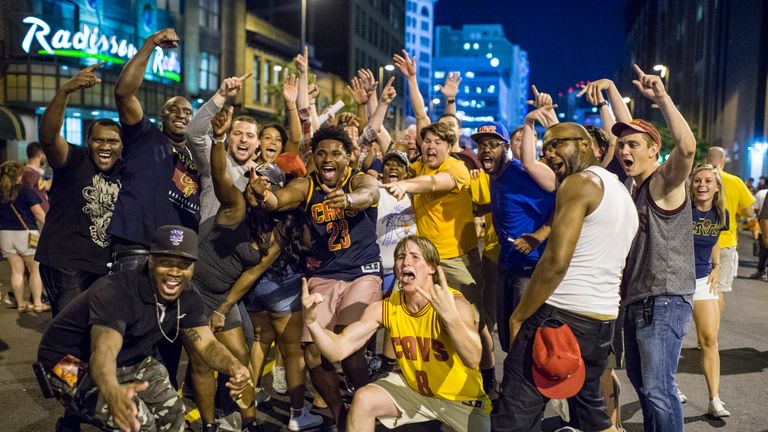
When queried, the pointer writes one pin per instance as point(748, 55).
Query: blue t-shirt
point(23, 204)
point(519, 206)
point(706, 232)
point(161, 186)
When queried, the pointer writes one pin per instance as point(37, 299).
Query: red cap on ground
point(638, 125)
point(558, 369)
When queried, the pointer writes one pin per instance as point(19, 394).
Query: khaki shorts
point(729, 268)
point(343, 302)
point(702, 290)
point(464, 273)
point(415, 408)
point(16, 242)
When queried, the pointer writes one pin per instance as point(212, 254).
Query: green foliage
point(667, 143)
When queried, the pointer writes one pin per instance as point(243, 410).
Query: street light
point(303, 24)
point(388, 68)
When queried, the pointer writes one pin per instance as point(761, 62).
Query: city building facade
point(713, 55)
point(419, 41)
point(494, 74)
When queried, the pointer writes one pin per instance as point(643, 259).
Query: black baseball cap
point(175, 240)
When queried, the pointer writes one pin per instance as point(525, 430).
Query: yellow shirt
point(425, 354)
point(446, 218)
point(737, 197)
point(481, 194)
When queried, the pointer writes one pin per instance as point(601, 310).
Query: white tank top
point(591, 283)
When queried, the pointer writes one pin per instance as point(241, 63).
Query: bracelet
point(219, 314)
point(349, 200)
point(452, 100)
point(601, 104)
point(219, 141)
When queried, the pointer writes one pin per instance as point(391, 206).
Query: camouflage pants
point(159, 406)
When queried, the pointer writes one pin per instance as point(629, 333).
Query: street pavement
point(743, 387)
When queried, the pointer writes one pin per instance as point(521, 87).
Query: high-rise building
point(713, 56)
point(494, 73)
point(345, 35)
point(419, 37)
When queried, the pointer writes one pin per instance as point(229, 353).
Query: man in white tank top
point(576, 282)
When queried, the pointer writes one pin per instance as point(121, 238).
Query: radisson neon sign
point(91, 43)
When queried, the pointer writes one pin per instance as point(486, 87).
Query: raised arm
point(678, 166)
point(356, 89)
point(54, 145)
point(579, 195)
point(407, 66)
point(337, 347)
point(450, 89)
point(105, 345)
point(594, 91)
point(129, 82)
point(545, 114)
point(290, 93)
point(232, 208)
point(376, 123)
point(370, 85)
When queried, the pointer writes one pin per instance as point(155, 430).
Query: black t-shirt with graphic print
point(161, 186)
point(82, 200)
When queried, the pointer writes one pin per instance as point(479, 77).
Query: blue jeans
point(653, 335)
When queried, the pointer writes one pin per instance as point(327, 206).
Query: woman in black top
point(20, 212)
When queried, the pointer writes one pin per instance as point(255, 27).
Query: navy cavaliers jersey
point(344, 241)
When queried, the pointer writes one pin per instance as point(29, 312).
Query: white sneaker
point(683, 398)
point(279, 385)
point(717, 408)
point(303, 419)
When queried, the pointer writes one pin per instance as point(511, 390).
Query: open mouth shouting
point(328, 174)
point(170, 287)
point(104, 157)
point(407, 276)
point(628, 163)
point(487, 160)
point(270, 153)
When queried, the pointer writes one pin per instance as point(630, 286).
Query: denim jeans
point(64, 284)
point(512, 285)
point(652, 343)
point(521, 405)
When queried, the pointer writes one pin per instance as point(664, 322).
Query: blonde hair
point(428, 251)
point(718, 201)
point(9, 185)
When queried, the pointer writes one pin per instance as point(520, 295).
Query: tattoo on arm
point(192, 336)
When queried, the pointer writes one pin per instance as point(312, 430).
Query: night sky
point(567, 40)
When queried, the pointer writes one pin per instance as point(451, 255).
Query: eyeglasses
point(490, 144)
point(556, 142)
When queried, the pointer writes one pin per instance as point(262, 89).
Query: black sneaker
point(67, 424)
point(211, 427)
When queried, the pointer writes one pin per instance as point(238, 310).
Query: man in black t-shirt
point(116, 326)
point(74, 247)
point(161, 185)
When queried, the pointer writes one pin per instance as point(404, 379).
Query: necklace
point(160, 324)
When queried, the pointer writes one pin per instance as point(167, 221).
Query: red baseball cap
point(637, 125)
point(558, 369)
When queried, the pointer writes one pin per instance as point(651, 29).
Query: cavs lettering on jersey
point(343, 240)
point(425, 354)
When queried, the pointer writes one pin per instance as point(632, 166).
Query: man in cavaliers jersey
point(436, 342)
point(340, 204)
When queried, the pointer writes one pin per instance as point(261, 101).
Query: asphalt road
point(744, 369)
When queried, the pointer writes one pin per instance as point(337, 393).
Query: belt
point(118, 255)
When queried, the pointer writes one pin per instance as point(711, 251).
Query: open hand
point(166, 38)
point(451, 86)
point(405, 63)
point(309, 303)
point(650, 86)
point(290, 89)
point(123, 408)
point(368, 81)
point(357, 90)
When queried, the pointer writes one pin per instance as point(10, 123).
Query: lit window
point(436, 101)
point(439, 74)
point(476, 45)
point(209, 71)
point(478, 90)
point(489, 56)
point(209, 14)
point(466, 89)
point(491, 89)
point(73, 130)
point(469, 74)
point(436, 87)
point(494, 62)
point(466, 45)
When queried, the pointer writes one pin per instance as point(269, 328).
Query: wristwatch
point(451, 100)
point(601, 104)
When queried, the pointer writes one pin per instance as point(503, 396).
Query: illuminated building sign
point(91, 43)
